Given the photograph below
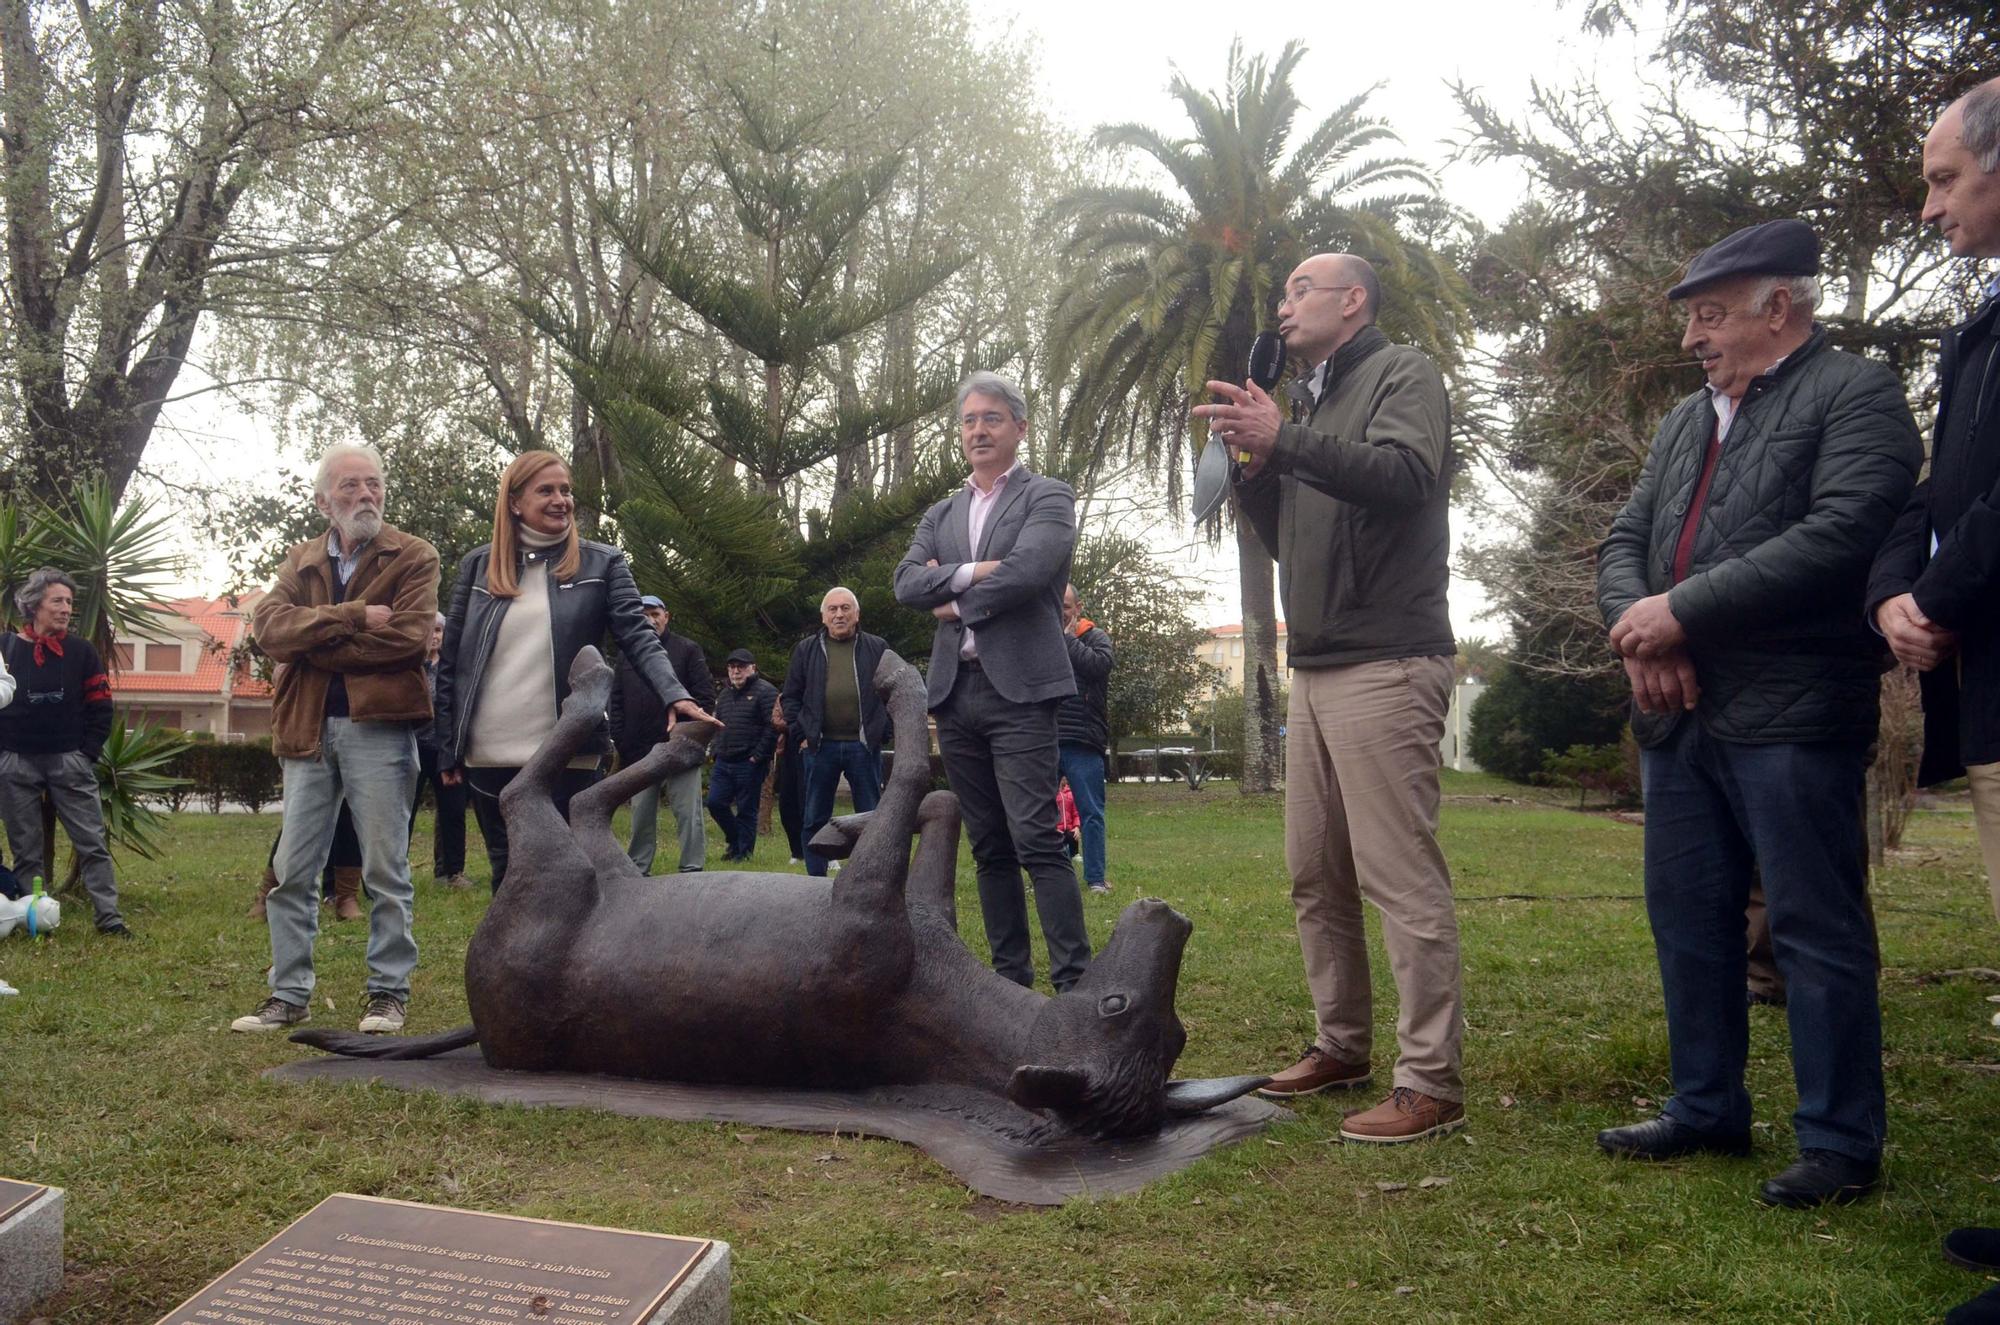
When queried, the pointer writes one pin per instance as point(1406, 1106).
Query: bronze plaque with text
point(14, 1195)
point(362, 1260)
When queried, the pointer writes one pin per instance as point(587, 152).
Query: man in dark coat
point(1083, 729)
point(742, 754)
point(639, 721)
point(1733, 583)
point(448, 837)
point(1935, 590)
point(830, 703)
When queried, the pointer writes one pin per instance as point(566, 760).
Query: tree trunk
point(1262, 753)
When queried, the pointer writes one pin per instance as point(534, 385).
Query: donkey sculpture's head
point(1100, 1053)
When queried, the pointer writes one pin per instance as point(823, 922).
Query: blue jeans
point(373, 766)
point(1083, 769)
point(733, 788)
point(1715, 809)
point(825, 763)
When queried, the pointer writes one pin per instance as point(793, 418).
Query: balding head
point(1962, 173)
point(1328, 298)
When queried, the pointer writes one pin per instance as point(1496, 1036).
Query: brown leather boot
point(347, 893)
point(264, 886)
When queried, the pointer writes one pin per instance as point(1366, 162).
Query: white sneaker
point(273, 1014)
point(384, 1015)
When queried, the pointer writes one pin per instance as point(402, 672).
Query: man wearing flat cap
point(742, 753)
point(1733, 582)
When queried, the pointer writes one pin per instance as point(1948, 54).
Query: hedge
point(244, 773)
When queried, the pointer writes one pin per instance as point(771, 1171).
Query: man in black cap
point(1733, 582)
point(742, 754)
point(639, 721)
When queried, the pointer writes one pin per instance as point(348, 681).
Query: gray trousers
point(71, 782)
point(1000, 759)
point(372, 766)
point(683, 796)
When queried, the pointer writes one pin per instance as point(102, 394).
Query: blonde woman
point(523, 607)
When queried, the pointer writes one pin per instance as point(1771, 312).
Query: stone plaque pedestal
point(31, 1246)
point(703, 1297)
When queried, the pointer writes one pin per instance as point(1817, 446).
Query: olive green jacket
point(1354, 504)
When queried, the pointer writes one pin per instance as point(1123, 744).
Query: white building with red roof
point(192, 676)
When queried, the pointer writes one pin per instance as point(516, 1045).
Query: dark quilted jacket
point(1818, 463)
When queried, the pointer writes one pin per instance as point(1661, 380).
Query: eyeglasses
point(1300, 291)
point(992, 418)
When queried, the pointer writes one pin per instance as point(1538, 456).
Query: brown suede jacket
point(299, 624)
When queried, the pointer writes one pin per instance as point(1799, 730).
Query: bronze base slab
point(986, 1141)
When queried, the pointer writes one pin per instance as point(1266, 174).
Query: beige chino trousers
point(1984, 781)
point(1361, 820)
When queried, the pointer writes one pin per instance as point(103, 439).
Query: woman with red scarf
point(50, 737)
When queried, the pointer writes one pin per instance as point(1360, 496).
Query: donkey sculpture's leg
point(879, 865)
point(528, 803)
point(933, 886)
point(590, 811)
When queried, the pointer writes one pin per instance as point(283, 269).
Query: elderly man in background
point(1083, 729)
point(989, 562)
point(830, 701)
point(1935, 590)
point(1733, 583)
point(639, 720)
point(350, 618)
point(50, 737)
point(1354, 501)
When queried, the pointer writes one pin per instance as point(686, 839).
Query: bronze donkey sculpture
point(777, 980)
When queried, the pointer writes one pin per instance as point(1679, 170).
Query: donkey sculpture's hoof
point(837, 840)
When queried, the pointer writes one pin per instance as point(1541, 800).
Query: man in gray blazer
point(990, 562)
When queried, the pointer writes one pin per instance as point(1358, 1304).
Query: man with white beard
point(350, 619)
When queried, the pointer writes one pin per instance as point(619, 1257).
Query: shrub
point(1600, 768)
point(1526, 713)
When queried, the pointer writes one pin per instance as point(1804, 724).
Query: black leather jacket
point(600, 597)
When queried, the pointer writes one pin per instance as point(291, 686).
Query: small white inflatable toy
point(30, 915)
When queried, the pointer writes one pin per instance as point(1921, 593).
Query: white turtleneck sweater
point(516, 707)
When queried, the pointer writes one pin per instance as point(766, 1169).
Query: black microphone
point(1267, 359)
point(1267, 365)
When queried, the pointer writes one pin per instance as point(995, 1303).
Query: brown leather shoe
point(347, 893)
point(264, 886)
point(1407, 1115)
point(1317, 1071)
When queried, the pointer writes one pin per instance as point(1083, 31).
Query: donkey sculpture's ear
point(1035, 1087)
point(1190, 1097)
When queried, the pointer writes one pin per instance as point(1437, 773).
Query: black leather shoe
point(1981, 1310)
point(1822, 1177)
point(1974, 1249)
point(1665, 1138)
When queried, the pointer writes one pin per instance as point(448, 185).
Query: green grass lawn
point(123, 1086)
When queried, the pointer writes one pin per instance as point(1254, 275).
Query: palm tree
point(1166, 287)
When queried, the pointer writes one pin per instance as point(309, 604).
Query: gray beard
point(358, 529)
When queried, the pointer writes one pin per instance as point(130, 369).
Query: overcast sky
point(1094, 61)
point(1111, 60)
